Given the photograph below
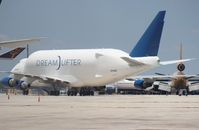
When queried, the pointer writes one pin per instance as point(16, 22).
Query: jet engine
point(181, 67)
point(8, 81)
point(138, 83)
point(23, 85)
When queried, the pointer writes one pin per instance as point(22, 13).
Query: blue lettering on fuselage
point(59, 62)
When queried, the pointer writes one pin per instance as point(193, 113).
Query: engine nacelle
point(156, 85)
point(138, 83)
point(8, 81)
point(181, 67)
point(23, 85)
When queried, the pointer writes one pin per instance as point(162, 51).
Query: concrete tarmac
point(116, 112)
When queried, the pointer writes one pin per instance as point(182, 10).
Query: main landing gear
point(72, 92)
point(82, 92)
point(86, 92)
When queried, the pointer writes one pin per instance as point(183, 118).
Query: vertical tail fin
point(180, 65)
point(181, 51)
point(148, 45)
point(12, 54)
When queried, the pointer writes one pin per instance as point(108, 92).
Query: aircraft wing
point(165, 77)
point(151, 77)
point(12, 54)
point(194, 87)
point(67, 79)
point(18, 43)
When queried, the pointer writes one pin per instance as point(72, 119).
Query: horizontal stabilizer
point(197, 82)
point(174, 61)
point(132, 62)
point(12, 54)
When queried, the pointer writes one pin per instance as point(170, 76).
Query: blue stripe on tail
point(148, 45)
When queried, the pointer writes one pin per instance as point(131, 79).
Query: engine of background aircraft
point(181, 67)
point(142, 84)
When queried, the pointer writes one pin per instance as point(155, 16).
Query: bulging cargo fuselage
point(84, 67)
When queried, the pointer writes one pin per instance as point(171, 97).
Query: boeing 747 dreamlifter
point(83, 69)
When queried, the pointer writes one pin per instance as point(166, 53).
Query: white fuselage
point(83, 67)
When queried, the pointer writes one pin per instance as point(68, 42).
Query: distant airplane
point(177, 83)
point(123, 86)
point(84, 69)
point(17, 46)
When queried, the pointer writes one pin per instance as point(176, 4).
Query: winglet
point(148, 45)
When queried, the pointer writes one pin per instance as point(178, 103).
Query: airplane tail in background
point(180, 62)
point(148, 45)
point(180, 65)
point(180, 51)
point(12, 54)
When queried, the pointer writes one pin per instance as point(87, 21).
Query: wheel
point(69, 93)
point(92, 93)
point(72, 92)
point(25, 91)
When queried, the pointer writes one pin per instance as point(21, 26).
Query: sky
point(83, 24)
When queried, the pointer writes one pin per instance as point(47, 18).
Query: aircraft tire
point(25, 91)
